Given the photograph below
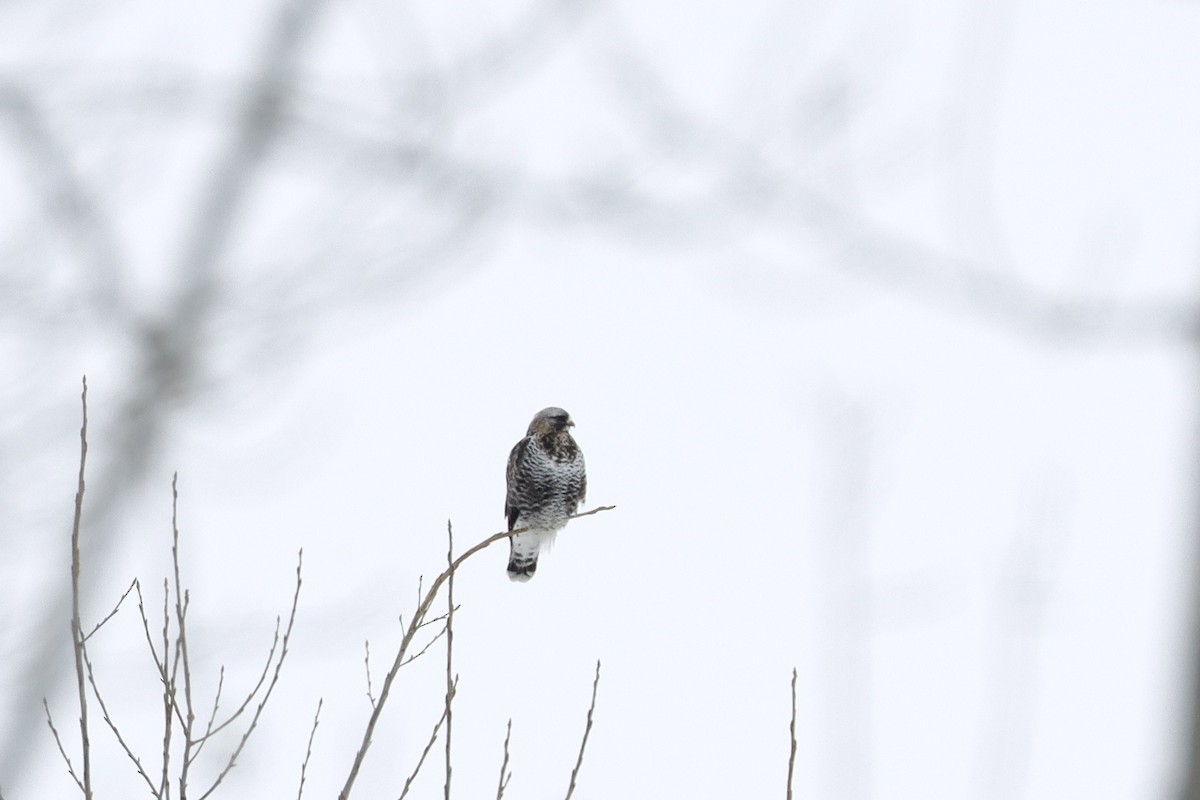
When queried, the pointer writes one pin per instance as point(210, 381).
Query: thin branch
point(434, 620)
point(112, 613)
point(283, 651)
point(112, 725)
point(169, 345)
point(308, 751)
point(76, 627)
point(587, 730)
point(425, 649)
point(451, 682)
point(367, 663)
point(181, 645)
point(168, 679)
point(62, 751)
point(505, 774)
point(212, 717)
point(424, 753)
point(137, 586)
point(262, 677)
point(414, 623)
point(792, 754)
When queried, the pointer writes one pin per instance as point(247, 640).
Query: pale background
point(876, 321)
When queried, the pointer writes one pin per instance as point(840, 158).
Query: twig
point(181, 646)
point(424, 753)
point(451, 682)
point(792, 754)
point(112, 725)
point(137, 587)
point(76, 627)
point(586, 731)
point(367, 663)
point(414, 623)
point(308, 751)
point(112, 613)
point(62, 751)
point(428, 645)
point(505, 774)
point(434, 620)
point(283, 651)
point(254, 691)
point(168, 679)
point(212, 717)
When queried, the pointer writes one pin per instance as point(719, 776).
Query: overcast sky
point(798, 274)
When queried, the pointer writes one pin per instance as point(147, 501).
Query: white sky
point(972, 542)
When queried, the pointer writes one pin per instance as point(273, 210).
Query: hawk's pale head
point(550, 420)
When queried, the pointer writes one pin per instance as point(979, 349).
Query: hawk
point(546, 483)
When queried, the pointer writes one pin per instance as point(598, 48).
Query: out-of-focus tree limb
point(168, 349)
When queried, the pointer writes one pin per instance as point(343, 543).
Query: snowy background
point(876, 321)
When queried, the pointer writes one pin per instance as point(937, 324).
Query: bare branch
point(308, 750)
point(76, 627)
point(587, 730)
point(505, 774)
point(425, 649)
point(212, 717)
point(262, 677)
point(169, 346)
point(434, 620)
point(168, 679)
point(112, 613)
point(112, 726)
point(367, 664)
point(451, 682)
point(181, 645)
point(429, 746)
point(62, 751)
point(413, 625)
point(792, 754)
point(137, 585)
point(287, 635)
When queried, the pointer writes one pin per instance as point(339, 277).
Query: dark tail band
point(521, 570)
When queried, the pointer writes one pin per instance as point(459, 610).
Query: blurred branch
point(169, 350)
point(847, 447)
point(1011, 664)
point(747, 181)
point(71, 206)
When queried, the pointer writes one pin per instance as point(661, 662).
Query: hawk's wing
point(512, 501)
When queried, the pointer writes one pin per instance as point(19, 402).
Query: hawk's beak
point(570, 423)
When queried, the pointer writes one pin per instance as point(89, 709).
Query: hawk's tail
point(523, 556)
point(521, 570)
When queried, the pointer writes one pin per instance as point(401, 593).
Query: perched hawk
point(546, 483)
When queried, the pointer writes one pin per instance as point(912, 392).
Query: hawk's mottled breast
point(547, 479)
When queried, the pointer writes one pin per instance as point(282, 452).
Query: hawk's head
point(550, 420)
